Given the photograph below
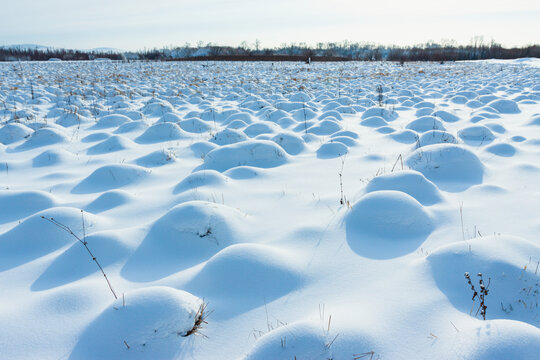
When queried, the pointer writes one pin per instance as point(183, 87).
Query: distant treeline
point(40, 54)
point(342, 51)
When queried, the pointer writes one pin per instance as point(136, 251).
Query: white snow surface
point(323, 211)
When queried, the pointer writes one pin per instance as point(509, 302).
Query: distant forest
point(337, 51)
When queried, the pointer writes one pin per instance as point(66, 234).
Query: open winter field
point(269, 211)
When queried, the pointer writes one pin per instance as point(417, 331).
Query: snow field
point(323, 211)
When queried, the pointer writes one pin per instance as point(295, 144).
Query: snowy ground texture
point(324, 211)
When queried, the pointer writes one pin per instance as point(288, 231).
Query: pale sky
point(135, 24)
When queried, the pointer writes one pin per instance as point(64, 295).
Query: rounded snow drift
point(437, 137)
point(111, 121)
point(13, 132)
point(331, 150)
point(43, 137)
point(112, 144)
point(476, 135)
point(505, 106)
point(291, 143)
point(52, 157)
point(161, 132)
point(15, 205)
point(187, 235)
point(257, 153)
point(385, 224)
point(502, 149)
point(425, 123)
point(110, 177)
point(199, 179)
point(36, 237)
point(156, 158)
point(154, 323)
point(228, 136)
point(409, 182)
point(109, 200)
point(450, 167)
point(240, 275)
point(507, 263)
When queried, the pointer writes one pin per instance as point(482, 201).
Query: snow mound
point(437, 137)
point(374, 121)
point(257, 153)
point(112, 144)
point(304, 114)
point(327, 114)
point(15, 205)
point(450, 167)
point(75, 264)
point(161, 132)
point(169, 117)
point(345, 140)
point(446, 116)
point(535, 121)
point(331, 150)
point(425, 123)
point(52, 157)
point(98, 136)
point(36, 237)
point(508, 261)
point(291, 143)
point(43, 137)
point(72, 119)
point(502, 149)
point(199, 179)
point(505, 106)
point(194, 126)
point(305, 340)
point(476, 135)
point(153, 322)
point(405, 136)
point(201, 148)
point(187, 235)
point(261, 128)
point(385, 224)
point(109, 200)
point(13, 132)
point(244, 275)
point(497, 339)
point(110, 177)
point(325, 127)
point(286, 122)
point(409, 182)
point(111, 121)
point(156, 158)
point(242, 173)
point(381, 112)
point(157, 108)
point(228, 136)
point(131, 127)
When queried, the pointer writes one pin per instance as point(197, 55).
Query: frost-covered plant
point(482, 296)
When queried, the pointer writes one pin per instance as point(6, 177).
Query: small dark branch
point(84, 243)
point(126, 344)
point(207, 233)
point(400, 157)
point(365, 355)
point(342, 199)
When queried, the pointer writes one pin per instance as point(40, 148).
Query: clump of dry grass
point(200, 319)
